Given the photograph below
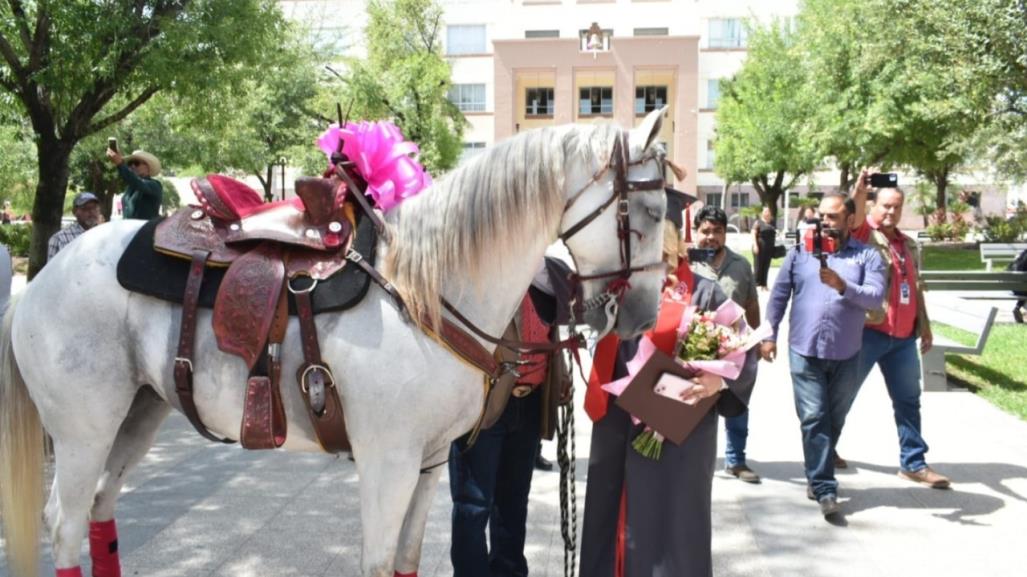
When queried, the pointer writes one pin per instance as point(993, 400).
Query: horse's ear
point(647, 132)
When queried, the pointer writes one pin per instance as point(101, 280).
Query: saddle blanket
point(143, 270)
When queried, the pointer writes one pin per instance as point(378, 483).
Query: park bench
point(1005, 252)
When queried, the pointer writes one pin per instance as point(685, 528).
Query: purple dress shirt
point(823, 323)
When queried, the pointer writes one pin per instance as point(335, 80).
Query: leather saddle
point(270, 251)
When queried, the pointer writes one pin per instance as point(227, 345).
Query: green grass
point(1000, 374)
point(952, 258)
point(748, 256)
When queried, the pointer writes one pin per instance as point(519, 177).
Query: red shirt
point(900, 320)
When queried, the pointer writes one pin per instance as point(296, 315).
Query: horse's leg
point(135, 437)
point(408, 557)
point(388, 476)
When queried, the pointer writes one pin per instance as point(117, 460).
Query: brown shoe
point(927, 477)
point(743, 473)
point(840, 463)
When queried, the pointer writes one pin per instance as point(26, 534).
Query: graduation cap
point(677, 202)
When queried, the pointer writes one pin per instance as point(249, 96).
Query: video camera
point(696, 255)
point(820, 241)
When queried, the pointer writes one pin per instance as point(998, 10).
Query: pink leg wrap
point(398, 574)
point(103, 549)
point(70, 572)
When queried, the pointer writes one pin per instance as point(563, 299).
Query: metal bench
point(1005, 252)
point(993, 283)
point(967, 315)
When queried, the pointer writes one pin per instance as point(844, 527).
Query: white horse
point(93, 363)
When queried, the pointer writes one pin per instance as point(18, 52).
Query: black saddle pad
point(146, 271)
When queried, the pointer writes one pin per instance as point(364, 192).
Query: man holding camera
point(893, 328)
point(832, 283)
point(143, 195)
point(734, 274)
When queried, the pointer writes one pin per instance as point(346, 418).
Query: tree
point(17, 164)
point(77, 68)
point(762, 131)
point(406, 79)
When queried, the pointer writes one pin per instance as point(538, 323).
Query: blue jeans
point(899, 361)
point(736, 431)
point(824, 391)
point(490, 483)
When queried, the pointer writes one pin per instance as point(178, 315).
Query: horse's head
point(613, 226)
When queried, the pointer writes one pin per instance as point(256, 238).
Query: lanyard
point(899, 256)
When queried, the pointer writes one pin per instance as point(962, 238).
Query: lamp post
point(283, 161)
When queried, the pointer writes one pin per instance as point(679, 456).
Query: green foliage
point(18, 170)
point(170, 201)
point(762, 117)
point(1001, 229)
point(406, 79)
point(17, 238)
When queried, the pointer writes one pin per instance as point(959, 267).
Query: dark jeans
point(762, 265)
point(899, 361)
point(736, 431)
point(490, 483)
point(824, 391)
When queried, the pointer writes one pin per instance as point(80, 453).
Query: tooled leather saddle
point(269, 252)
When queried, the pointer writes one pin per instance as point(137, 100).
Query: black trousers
point(762, 265)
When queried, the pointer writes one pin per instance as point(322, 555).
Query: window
point(739, 199)
point(712, 92)
point(468, 97)
point(471, 149)
point(727, 33)
point(649, 98)
point(600, 43)
point(538, 102)
point(714, 198)
point(595, 100)
point(711, 154)
point(465, 39)
point(541, 33)
point(652, 31)
point(328, 41)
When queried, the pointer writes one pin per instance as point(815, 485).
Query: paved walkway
point(193, 509)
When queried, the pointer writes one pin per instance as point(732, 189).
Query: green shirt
point(734, 276)
point(142, 198)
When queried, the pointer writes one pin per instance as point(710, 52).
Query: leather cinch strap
point(187, 336)
point(329, 423)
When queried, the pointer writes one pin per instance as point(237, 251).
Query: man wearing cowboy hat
point(142, 198)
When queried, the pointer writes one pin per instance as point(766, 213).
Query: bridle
point(622, 187)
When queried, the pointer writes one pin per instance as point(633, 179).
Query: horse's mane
point(486, 209)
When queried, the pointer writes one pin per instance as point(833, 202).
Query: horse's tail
point(21, 461)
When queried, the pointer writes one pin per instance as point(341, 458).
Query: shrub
point(940, 231)
point(17, 237)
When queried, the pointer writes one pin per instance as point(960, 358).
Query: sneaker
point(840, 463)
point(543, 464)
point(829, 506)
point(743, 473)
point(927, 477)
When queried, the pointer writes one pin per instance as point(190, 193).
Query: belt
point(521, 391)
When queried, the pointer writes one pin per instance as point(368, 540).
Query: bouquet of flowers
point(714, 342)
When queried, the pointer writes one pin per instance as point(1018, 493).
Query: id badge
point(904, 293)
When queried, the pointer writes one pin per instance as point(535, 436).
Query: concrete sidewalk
point(193, 509)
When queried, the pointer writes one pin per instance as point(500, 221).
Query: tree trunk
point(54, 157)
point(268, 183)
point(843, 179)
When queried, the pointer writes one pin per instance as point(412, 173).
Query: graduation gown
point(668, 531)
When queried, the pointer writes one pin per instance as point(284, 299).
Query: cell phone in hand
point(112, 143)
point(884, 180)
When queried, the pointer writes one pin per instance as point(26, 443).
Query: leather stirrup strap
point(186, 340)
point(263, 421)
point(330, 423)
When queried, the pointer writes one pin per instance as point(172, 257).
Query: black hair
point(713, 214)
point(850, 205)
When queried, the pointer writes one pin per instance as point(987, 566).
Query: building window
point(538, 102)
point(471, 149)
point(727, 33)
point(652, 31)
point(328, 41)
point(711, 154)
point(593, 100)
point(712, 93)
point(739, 199)
point(465, 39)
point(541, 33)
point(468, 97)
point(649, 98)
point(714, 198)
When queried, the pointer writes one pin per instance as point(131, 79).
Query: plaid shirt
point(61, 238)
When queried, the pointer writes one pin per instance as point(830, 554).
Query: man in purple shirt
point(830, 298)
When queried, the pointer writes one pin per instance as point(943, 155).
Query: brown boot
point(927, 477)
point(743, 473)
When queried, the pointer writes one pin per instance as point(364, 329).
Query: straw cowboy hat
point(146, 157)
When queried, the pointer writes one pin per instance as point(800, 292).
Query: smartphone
point(884, 180)
point(701, 255)
point(112, 143)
